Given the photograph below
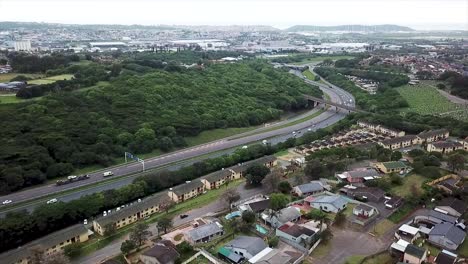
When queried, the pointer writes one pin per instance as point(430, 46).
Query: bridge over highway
point(326, 102)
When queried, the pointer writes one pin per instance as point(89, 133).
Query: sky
point(418, 14)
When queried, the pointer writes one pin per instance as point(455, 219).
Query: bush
point(273, 241)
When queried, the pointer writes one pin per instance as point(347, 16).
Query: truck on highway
point(72, 178)
point(108, 174)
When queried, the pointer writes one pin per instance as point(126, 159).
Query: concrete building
point(246, 246)
point(310, 188)
point(217, 179)
point(358, 175)
point(327, 203)
point(239, 169)
point(434, 135)
point(444, 147)
point(400, 142)
point(186, 191)
point(364, 211)
point(50, 244)
point(392, 167)
point(205, 233)
point(132, 213)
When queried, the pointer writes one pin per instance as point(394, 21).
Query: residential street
point(113, 248)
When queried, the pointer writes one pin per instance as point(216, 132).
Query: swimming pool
point(261, 229)
point(232, 215)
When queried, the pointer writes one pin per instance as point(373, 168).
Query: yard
point(405, 189)
point(401, 213)
point(425, 99)
point(10, 99)
point(463, 249)
point(51, 79)
point(383, 227)
point(6, 77)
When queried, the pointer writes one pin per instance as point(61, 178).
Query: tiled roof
point(397, 140)
point(432, 133)
point(187, 187)
point(449, 231)
point(163, 253)
point(252, 244)
point(245, 165)
point(204, 231)
point(415, 251)
point(217, 175)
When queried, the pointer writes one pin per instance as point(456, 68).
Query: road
point(221, 147)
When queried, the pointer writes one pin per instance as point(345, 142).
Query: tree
point(340, 219)
point(320, 216)
point(326, 235)
point(140, 233)
point(248, 217)
point(396, 155)
point(273, 241)
point(230, 196)
point(184, 247)
point(164, 223)
point(109, 229)
point(272, 180)
point(395, 179)
point(127, 246)
point(284, 187)
point(278, 201)
point(314, 169)
point(256, 173)
point(72, 250)
point(456, 162)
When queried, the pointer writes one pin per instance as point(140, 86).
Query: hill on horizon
point(375, 28)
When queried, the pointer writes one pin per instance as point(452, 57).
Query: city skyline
point(420, 15)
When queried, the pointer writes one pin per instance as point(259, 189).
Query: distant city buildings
point(23, 45)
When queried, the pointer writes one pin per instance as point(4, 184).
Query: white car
point(309, 129)
point(51, 201)
point(7, 202)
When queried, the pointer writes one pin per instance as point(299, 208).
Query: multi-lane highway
point(126, 173)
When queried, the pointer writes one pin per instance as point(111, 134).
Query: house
point(186, 191)
point(447, 236)
point(50, 244)
point(407, 233)
point(132, 213)
point(310, 188)
point(393, 202)
point(299, 234)
point(433, 135)
point(257, 206)
point(400, 142)
point(446, 257)
point(444, 147)
point(398, 248)
point(364, 211)
point(448, 183)
point(246, 246)
point(217, 179)
point(288, 214)
point(327, 203)
point(414, 254)
point(391, 167)
point(381, 129)
point(275, 256)
point(163, 252)
point(205, 233)
point(358, 175)
point(240, 169)
point(452, 206)
point(373, 194)
point(229, 255)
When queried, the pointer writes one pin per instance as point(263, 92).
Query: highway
point(191, 154)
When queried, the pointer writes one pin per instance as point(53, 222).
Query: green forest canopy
point(51, 137)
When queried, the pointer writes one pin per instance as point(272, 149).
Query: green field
point(6, 77)
point(51, 79)
point(214, 134)
point(425, 99)
point(10, 99)
point(383, 227)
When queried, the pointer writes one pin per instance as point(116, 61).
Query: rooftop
point(449, 231)
point(397, 140)
point(313, 186)
point(415, 251)
point(204, 231)
point(163, 252)
point(458, 205)
point(296, 230)
point(259, 206)
point(244, 166)
point(394, 164)
point(187, 187)
point(252, 244)
point(157, 199)
point(217, 175)
point(432, 133)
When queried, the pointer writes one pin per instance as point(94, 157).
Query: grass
point(349, 209)
point(6, 77)
point(281, 153)
point(178, 237)
point(384, 258)
point(400, 213)
point(98, 85)
point(433, 251)
point(383, 227)
point(321, 250)
point(51, 79)
point(214, 134)
point(404, 190)
point(10, 99)
point(463, 249)
point(357, 259)
point(425, 99)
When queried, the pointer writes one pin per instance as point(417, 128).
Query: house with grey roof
point(299, 234)
point(246, 246)
point(50, 244)
point(433, 135)
point(358, 175)
point(447, 236)
point(205, 233)
point(452, 206)
point(327, 203)
point(288, 214)
point(163, 252)
point(310, 188)
point(186, 191)
point(131, 213)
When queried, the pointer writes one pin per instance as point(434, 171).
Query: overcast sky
point(419, 14)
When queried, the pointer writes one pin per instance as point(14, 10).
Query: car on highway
point(108, 173)
point(309, 129)
point(7, 202)
point(52, 201)
point(182, 216)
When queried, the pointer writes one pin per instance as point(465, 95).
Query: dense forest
point(139, 111)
